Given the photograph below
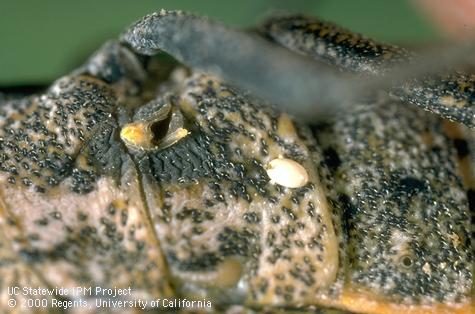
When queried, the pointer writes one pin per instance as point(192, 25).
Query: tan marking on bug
point(285, 127)
point(136, 134)
point(313, 26)
point(139, 135)
point(452, 102)
point(388, 56)
point(186, 106)
point(364, 301)
point(180, 133)
point(426, 269)
point(287, 172)
point(427, 138)
point(224, 93)
point(455, 239)
point(226, 275)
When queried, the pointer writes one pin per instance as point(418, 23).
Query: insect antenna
point(306, 88)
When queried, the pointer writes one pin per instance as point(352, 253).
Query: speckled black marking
point(82, 181)
point(88, 242)
point(196, 215)
point(34, 148)
point(451, 96)
point(379, 197)
point(238, 242)
point(410, 186)
point(400, 216)
point(252, 217)
point(333, 44)
point(331, 159)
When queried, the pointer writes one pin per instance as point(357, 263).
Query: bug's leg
point(451, 96)
point(114, 62)
point(333, 44)
point(135, 78)
point(287, 79)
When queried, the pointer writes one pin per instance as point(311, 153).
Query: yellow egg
point(136, 134)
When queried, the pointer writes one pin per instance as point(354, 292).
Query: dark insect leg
point(451, 96)
point(114, 62)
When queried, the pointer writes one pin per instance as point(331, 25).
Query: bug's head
point(156, 126)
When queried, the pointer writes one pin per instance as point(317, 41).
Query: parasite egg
point(180, 133)
point(287, 172)
point(135, 134)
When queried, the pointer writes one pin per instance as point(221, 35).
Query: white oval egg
point(287, 172)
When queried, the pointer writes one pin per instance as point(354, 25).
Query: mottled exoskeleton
point(134, 172)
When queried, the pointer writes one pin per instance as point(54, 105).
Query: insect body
point(114, 177)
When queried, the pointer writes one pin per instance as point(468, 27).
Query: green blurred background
point(41, 40)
